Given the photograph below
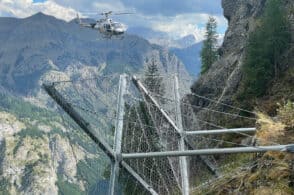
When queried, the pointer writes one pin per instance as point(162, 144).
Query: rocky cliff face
point(26, 162)
point(224, 76)
point(223, 79)
point(41, 154)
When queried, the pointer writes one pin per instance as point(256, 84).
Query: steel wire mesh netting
point(95, 100)
point(93, 167)
point(146, 130)
point(151, 124)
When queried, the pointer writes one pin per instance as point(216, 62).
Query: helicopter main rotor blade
point(90, 13)
point(123, 13)
point(104, 13)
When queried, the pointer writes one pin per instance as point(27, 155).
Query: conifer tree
point(265, 48)
point(209, 49)
point(152, 80)
point(145, 128)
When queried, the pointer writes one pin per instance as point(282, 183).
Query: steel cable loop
point(136, 123)
point(221, 103)
point(138, 99)
point(205, 108)
point(206, 122)
point(212, 124)
point(209, 123)
point(86, 79)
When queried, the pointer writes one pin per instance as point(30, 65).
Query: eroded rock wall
point(222, 80)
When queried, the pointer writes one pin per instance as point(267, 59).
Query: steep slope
point(226, 71)
point(268, 173)
point(37, 156)
point(221, 84)
point(223, 79)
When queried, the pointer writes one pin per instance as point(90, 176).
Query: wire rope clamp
point(118, 157)
point(183, 134)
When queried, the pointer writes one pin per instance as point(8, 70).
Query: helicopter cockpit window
point(107, 26)
point(117, 25)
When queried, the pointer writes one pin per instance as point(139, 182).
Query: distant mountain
point(187, 49)
point(190, 56)
point(186, 41)
point(146, 33)
point(189, 53)
point(162, 38)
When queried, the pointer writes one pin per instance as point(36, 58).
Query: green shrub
point(264, 51)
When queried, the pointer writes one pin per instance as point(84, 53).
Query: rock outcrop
point(224, 76)
point(222, 80)
point(35, 161)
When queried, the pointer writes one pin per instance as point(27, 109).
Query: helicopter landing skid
point(110, 37)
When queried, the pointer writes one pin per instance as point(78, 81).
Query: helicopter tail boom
point(91, 25)
point(78, 19)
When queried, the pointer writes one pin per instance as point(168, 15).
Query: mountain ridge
point(190, 56)
point(36, 42)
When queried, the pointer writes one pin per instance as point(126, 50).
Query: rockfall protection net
point(145, 129)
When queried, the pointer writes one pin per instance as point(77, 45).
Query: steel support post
point(142, 88)
point(118, 134)
point(220, 131)
point(68, 108)
point(212, 151)
point(183, 159)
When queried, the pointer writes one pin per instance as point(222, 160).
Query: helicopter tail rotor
point(78, 19)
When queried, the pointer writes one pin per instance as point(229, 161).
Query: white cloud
point(176, 26)
point(185, 24)
point(25, 8)
point(106, 6)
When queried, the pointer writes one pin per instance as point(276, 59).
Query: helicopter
point(106, 26)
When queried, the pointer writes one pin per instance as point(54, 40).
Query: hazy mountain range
point(187, 48)
point(190, 56)
point(162, 38)
point(33, 46)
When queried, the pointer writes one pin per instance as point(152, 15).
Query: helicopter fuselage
point(106, 26)
point(110, 28)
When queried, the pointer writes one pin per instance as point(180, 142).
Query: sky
point(178, 18)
